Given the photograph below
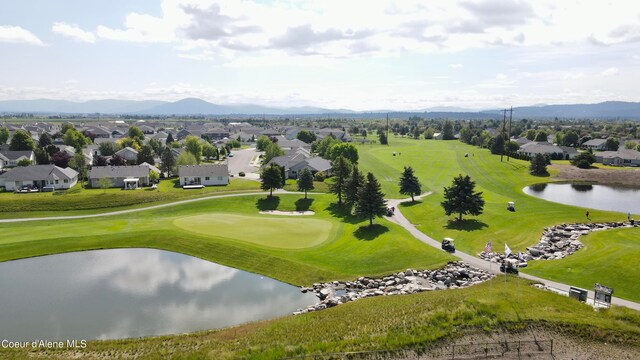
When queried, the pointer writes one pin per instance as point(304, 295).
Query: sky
point(339, 54)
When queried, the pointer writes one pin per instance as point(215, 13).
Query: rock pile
point(557, 242)
point(455, 275)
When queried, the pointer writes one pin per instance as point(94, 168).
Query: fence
point(455, 351)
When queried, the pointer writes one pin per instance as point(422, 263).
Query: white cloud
point(456, 66)
point(17, 35)
point(610, 71)
point(73, 31)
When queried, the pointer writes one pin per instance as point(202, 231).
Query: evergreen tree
point(169, 140)
point(305, 181)
point(45, 140)
point(409, 183)
point(371, 200)
point(447, 130)
point(353, 185)
point(538, 165)
point(146, 155)
point(42, 156)
point(168, 161)
point(460, 198)
point(4, 135)
point(382, 136)
point(271, 178)
point(497, 145)
point(21, 141)
point(340, 169)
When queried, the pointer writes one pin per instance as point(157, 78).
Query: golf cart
point(447, 245)
point(511, 206)
point(509, 266)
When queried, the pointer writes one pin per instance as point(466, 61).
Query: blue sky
point(361, 55)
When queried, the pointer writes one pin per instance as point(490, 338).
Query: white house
point(596, 144)
point(206, 175)
point(10, 158)
point(129, 154)
point(39, 176)
point(127, 177)
point(624, 157)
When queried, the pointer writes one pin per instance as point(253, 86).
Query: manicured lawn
point(82, 201)
point(608, 257)
point(283, 232)
point(436, 318)
point(347, 250)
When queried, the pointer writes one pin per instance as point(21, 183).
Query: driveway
point(240, 162)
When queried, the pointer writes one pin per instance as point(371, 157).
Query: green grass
point(608, 257)
point(273, 231)
point(349, 249)
point(84, 201)
point(416, 321)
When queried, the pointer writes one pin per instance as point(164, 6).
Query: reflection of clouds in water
point(142, 272)
point(201, 275)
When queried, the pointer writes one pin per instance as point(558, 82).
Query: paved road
point(399, 219)
point(240, 161)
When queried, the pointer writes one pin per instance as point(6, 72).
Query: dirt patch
point(601, 176)
point(287, 213)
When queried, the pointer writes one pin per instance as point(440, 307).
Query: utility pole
point(509, 136)
point(387, 128)
point(504, 122)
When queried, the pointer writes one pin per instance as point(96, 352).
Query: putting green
point(285, 233)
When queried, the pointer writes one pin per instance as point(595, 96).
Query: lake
point(623, 199)
point(122, 293)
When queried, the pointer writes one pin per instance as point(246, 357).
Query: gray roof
point(595, 142)
point(623, 154)
point(203, 170)
point(316, 164)
point(15, 155)
point(288, 161)
point(540, 148)
point(39, 172)
point(98, 172)
point(125, 150)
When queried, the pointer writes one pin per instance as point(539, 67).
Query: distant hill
point(194, 106)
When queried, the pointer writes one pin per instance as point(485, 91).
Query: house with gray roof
point(129, 154)
point(623, 157)
point(10, 158)
point(126, 177)
point(294, 162)
point(39, 176)
point(206, 174)
point(545, 148)
point(596, 144)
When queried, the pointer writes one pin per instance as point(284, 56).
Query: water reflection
point(622, 199)
point(121, 293)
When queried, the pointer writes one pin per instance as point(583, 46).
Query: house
point(293, 144)
point(542, 147)
point(206, 175)
point(596, 144)
point(10, 158)
point(294, 162)
point(315, 164)
point(521, 140)
point(98, 132)
point(216, 134)
point(623, 157)
point(129, 154)
point(127, 177)
point(39, 176)
point(147, 130)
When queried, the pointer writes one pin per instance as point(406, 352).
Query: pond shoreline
point(621, 177)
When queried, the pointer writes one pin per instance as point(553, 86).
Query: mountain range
point(194, 106)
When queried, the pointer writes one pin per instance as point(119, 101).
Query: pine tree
point(340, 169)
point(538, 165)
point(146, 155)
point(460, 198)
point(305, 181)
point(353, 185)
point(271, 178)
point(409, 183)
point(371, 200)
point(169, 139)
point(168, 161)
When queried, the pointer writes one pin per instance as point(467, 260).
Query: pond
point(623, 199)
point(122, 293)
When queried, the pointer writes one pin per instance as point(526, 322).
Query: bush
point(241, 174)
point(320, 176)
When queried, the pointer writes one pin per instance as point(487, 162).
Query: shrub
point(241, 173)
point(320, 176)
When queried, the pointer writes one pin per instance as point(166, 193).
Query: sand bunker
point(287, 213)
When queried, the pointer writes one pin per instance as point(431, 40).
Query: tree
point(45, 140)
point(79, 164)
point(306, 136)
point(128, 142)
point(262, 142)
point(66, 127)
point(24, 162)
point(416, 133)
point(272, 150)
point(209, 151)
point(21, 141)
point(271, 178)
point(104, 183)
point(117, 160)
point(447, 130)
point(168, 161)
point(347, 150)
point(428, 134)
point(100, 160)
point(186, 158)
point(146, 155)
point(341, 167)
point(531, 134)
point(460, 198)
point(512, 146)
point(322, 147)
point(235, 144)
point(371, 200)
point(612, 144)
point(541, 136)
point(42, 156)
point(409, 183)
point(108, 148)
point(156, 145)
point(382, 137)
point(169, 140)
point(75, 138)
point(61, 159)
point(154, 176)
point(497, 145)
point(193, 145)
point(353, 185)
point(583, 160)
point(4, 135)
point(538, 165)
point(136, 134)
point(305, 181)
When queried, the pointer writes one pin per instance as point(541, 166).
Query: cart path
point(494, 268)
